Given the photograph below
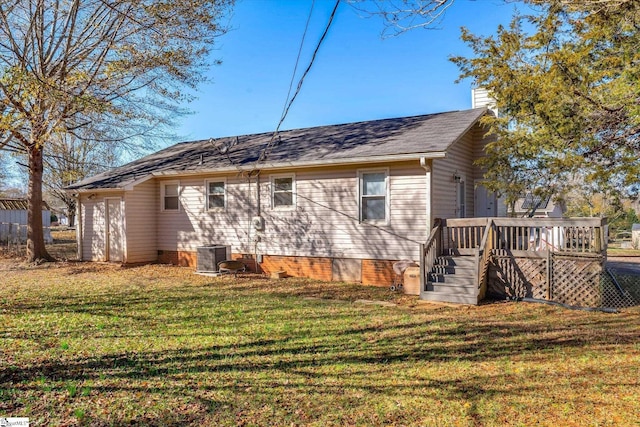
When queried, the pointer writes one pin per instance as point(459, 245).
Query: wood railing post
point(423, 268)
point(549, 274)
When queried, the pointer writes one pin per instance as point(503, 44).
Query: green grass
point(90, 344)
point(615, 251)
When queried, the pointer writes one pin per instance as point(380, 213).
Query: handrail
point(485, 235)
point(486, 245)
point(429, 252)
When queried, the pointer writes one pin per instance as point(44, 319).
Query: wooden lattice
point(576, 281)
point(513, 277)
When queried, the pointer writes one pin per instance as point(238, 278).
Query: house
point(531, 205)
point(340, 202)
point(13, 220)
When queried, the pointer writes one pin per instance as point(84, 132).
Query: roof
point(377, 140)
point(18, 205)
point(532, 201)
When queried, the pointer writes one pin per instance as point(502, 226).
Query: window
point(216, 195)
point(170, 196)
point(373, 196)
point(282, 191)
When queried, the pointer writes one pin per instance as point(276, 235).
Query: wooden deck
point(553, 259)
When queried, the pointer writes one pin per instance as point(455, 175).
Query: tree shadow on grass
point(397, 341)
point(336, 348)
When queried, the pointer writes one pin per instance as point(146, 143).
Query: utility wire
point(267, 148)
point(295, 68)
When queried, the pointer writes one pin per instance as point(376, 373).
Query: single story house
point(339, 202)
point(531, 205)
point(13, 220)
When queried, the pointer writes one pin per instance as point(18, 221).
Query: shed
point(13, 220)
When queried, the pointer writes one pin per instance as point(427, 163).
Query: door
point(115, 230)
point(485, 202)
point(461, 196)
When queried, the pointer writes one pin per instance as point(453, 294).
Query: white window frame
point(206, 195)
point(163, 186)
point(293, 191)
point(387, 196)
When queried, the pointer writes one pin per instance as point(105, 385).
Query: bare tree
point(68, 159)
point(123, 65)
point(400, 16)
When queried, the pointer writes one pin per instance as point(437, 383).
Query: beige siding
point(193, 226)
point(141, 207)
point(459, 161)
point(324, 223)
point(94, 226)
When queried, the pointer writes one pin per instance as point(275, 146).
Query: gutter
point(305, 164)
point(268, 166)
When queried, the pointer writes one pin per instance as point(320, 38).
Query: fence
point(13, 236)
point(620, 290)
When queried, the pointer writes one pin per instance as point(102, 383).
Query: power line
point(266, 151)
point(295, 68)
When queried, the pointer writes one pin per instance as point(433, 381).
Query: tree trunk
point(71, 214)
point(36, 250)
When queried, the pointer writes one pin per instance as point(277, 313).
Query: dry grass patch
point(96, 344)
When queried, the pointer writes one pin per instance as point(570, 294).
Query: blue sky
point(357, 75)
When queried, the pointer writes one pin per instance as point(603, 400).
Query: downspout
point(79, 226)
point(427, 166)
point(259, 212)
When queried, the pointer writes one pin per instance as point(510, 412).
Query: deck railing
point(430, 251)
point(484, 255)
point(575, 235)
point(552, 256)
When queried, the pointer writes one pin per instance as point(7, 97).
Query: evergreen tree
point(566, 84)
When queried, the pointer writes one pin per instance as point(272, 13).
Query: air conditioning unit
point(208, 257)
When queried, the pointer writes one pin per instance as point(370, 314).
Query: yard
point(98, 344)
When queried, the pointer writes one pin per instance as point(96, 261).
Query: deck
point(554, 259)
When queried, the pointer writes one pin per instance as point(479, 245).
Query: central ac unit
point(208, 257)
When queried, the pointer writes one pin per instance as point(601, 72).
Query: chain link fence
point(620, 290)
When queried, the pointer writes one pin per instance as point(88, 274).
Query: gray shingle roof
point(376, 140)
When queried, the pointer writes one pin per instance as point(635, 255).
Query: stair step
point(460, 252)
point(454, 261)
point(471, 290)
point(453, 269)
point(453, 279)
point(449, 297)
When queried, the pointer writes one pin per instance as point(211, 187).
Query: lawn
point(96, 344)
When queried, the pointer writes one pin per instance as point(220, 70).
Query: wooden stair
point(453, 278)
